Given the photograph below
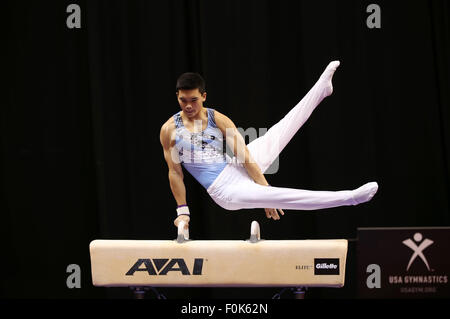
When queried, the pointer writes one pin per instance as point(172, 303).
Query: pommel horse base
point(140, 264)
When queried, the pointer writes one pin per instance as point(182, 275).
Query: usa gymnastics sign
point(403, 262)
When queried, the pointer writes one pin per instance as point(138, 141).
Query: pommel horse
point(144, 264)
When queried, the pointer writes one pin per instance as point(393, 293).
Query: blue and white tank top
point(202, 153)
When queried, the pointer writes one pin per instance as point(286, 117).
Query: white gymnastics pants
point(234, 189)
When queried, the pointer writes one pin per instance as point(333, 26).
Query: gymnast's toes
point(365, 193)
point(327, 77)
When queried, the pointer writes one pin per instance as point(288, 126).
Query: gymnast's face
point(191, 102)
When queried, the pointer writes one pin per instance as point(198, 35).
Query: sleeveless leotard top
point(201, 154)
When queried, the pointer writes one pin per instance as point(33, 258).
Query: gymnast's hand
point(180, 218)
point(272, 213)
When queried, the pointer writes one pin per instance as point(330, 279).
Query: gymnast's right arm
point(167, 138)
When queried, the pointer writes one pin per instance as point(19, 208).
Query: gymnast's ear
point(204, 96)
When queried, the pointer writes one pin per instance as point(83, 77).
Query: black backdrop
point(81, 115)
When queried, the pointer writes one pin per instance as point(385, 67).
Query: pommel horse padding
point(219, 263)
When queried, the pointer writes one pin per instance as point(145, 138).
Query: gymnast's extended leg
point(247, 194)
point(243, 192)
point(267, 148)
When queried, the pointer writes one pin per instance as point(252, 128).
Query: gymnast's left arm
point(237, 143)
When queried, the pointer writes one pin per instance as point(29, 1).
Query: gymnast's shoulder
point(169, 125)
point(167, 129)
point(222, 121)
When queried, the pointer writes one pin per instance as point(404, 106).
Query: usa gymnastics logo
point(411, 262)
point(418, 246)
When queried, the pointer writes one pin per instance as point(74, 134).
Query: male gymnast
point(193, 138)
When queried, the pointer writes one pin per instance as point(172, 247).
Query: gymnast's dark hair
point(191, 81)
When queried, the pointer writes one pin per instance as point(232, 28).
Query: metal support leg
point(299, 292)
point(139, 292)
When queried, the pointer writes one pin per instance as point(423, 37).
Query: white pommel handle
point(255, 234)
point(183, 233)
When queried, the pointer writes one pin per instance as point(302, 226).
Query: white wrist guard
point(182, 210)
